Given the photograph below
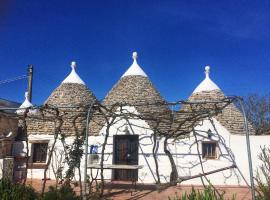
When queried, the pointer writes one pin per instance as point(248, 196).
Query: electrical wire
point(13, 79)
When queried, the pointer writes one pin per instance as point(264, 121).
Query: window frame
point(40, 164)
point(207, 156)
point(40, 152)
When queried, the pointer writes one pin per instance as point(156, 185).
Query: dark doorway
point(125, 152)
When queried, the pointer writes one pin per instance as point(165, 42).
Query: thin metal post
point(86, 149)
point(30, 81)
point(248, 149)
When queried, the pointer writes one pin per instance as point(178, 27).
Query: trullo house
point(213, 144)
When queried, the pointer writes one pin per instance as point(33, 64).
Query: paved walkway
point(125, 191)
point(145, 192)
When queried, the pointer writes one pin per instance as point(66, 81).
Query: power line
point(13, 79)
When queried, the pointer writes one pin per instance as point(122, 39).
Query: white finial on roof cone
point(134, 69)
point(207, 71)
point(25, 104)
point(73, 65)
point(73, 77)
point(26, 95)
point(207, 84)
point(134, 55)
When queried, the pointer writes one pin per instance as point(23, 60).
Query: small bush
point(11, 191)
point(94, 193)
point(207, 194)
point(65, 192)
point(263, 175)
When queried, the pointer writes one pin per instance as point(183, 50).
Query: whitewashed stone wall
point(231, 148)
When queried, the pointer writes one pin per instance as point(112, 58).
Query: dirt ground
point(125, 190)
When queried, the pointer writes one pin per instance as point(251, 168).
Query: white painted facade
point(231, 149)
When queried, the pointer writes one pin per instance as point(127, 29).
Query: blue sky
point(174, 41)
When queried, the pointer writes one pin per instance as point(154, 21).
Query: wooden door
point(125, 153)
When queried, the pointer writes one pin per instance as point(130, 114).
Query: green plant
point(207, 194)
point(263, 175)
point(65, 192)
point(11, 191)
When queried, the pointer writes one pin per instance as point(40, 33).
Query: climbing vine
point(177, 126)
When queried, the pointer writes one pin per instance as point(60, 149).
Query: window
point(40, 152)
point(209, 150)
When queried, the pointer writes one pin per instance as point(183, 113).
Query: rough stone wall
point(8, 123)
point(137, 91)
point(231, 117)
point(38, 125)
point(66, 95)
point(5, 148)
point(8, 165)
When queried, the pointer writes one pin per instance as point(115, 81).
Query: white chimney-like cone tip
point(25, 104)
point(207, 71)
point(73, 77)
point(73, 65)
point(134, 69)
point(207, 84)
point(135, 55)
point(26, 95)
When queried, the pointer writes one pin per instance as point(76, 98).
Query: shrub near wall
point(11, 191)
point(207, 194)
point(65, 192)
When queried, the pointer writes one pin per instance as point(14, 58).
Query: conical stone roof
point(135, 89)
point(72, 97)
point(71, 92)
point(231, 117)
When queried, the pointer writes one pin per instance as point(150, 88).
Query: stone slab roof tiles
point(70, 93)
point(231, 117)
point(134, 89)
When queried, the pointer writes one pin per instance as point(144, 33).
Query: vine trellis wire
point(177, 124)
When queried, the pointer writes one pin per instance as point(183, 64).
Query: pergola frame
point(109, 112)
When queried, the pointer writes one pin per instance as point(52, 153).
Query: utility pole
point(30, 81)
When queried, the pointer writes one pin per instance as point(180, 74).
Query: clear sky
point(174, 41)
